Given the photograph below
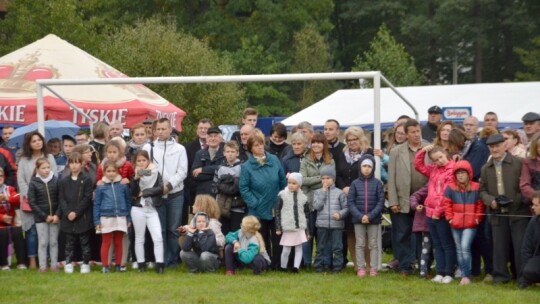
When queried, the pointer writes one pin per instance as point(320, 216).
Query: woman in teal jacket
point(261, 179)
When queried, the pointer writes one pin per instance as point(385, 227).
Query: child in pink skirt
point(291, 220)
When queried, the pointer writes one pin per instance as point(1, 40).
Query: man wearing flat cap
point(531, 124)
point(207, 161)
point(499, 189)
point(429, 130)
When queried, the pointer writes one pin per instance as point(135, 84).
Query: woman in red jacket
point(10, 230)
point(464, 210)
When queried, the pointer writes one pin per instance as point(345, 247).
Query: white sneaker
point(457, 273)
point(135, 265)
point(22, 267)
point(85, 268)
point(437, 279)
point(447, 280)
point(151, 265)
point(6, 268)
point(68, 268)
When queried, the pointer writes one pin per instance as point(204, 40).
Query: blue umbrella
point(53, 129)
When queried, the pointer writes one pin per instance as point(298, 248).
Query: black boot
point(160, 267)
point(142, 267)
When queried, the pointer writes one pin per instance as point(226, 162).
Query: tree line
point(413, 42)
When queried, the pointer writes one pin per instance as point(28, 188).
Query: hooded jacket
point(463, 207)
point(438, 179)
point(43, 198)
point(112, 199)
point(366, 196)
point(326, 204)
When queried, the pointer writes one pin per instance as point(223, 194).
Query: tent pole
point(40, 109)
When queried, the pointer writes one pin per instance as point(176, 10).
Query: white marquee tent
point(355, 107)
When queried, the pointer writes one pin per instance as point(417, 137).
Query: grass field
point(177, 286)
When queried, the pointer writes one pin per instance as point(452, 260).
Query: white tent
point(355, 107)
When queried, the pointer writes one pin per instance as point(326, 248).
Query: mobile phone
point(144, 172)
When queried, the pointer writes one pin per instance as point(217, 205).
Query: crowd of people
point(465, 200)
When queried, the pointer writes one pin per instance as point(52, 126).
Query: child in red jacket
point(10, 231)
point(464, 210)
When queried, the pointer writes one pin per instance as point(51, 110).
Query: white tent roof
point(355, 107)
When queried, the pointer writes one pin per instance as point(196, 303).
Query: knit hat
point(329, 171)
point(297, 177)
point(368, 162)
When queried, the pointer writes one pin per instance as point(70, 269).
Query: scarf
point(147, 182)
point(351, 156)
point(46, 179)
point(135, 146)
point(261, 160)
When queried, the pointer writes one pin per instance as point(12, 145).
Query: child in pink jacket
point(439, 175)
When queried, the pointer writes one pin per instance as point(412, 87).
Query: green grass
point(177, 286)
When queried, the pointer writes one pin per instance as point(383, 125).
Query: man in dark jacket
point(331, 133)
point(429, 130)
point(499, 189)
point(191, 149)
point(207, 161)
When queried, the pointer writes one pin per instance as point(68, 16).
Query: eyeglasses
point(352, 139)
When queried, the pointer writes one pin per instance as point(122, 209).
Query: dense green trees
point(461, 41)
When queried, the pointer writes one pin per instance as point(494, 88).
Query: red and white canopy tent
point(54, 58)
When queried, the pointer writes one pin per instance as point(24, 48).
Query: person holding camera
point(147, 189)
point(499, 189)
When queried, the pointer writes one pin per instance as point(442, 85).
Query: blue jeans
point(443, 245)
point(463, 239)
point(31, 238)
point(329, 248)
point(402, 247)
point(170, 215)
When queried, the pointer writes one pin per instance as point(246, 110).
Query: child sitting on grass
point(246, 247)
point(200, 252)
